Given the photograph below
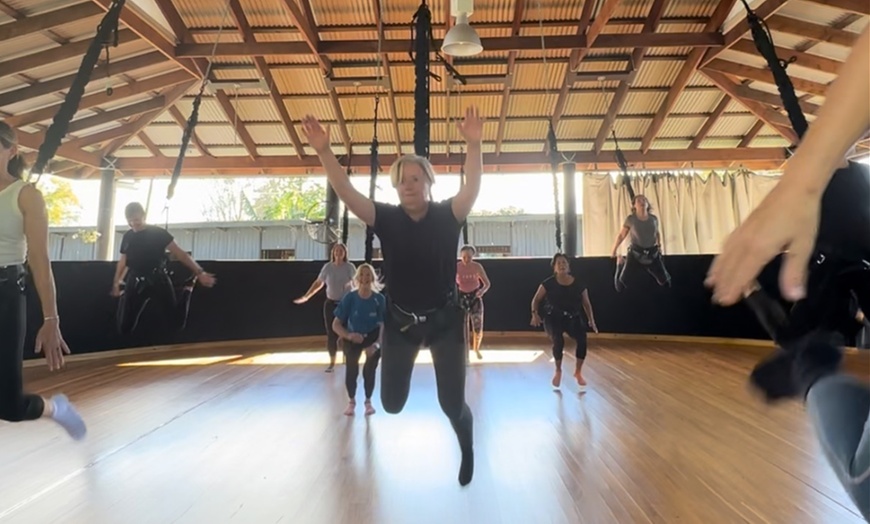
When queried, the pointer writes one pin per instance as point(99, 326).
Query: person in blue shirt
point(359, 322)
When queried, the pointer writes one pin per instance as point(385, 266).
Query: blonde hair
point(377, 285)
point(397, 169)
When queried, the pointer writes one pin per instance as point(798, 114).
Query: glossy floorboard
point(666, 433)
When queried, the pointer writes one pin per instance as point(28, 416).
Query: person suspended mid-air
point(473, 283)
point(336, 275)
point(418, 241)
point(645, 247)
point(562, 305)
point(143, 269)
point(359, 321)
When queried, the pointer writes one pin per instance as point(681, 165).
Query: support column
point(106, 211)
point(570, 242)
point(332, 205)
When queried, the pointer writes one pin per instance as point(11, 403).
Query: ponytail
point(16, 167)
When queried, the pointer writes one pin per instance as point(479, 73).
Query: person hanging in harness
point(418, 242)
point(645, 248)
point(143, 270)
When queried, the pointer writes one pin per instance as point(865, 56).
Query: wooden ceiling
point(679, 83)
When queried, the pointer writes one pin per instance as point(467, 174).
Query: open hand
point(50, 343)
point(317, 136)
point(206, 279)
point(471, 127)
point(786, 220)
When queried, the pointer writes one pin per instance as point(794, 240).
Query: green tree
point(61, 203)
point(228, 201)
point(291, 198)
point(505, 211)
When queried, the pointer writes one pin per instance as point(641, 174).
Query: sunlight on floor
point(201, 361)
point(298, 358)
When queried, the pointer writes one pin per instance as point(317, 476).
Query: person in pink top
point(472, 282)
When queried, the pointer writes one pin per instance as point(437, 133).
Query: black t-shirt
point(146, 249)
point(419, 257)
point(567, 299)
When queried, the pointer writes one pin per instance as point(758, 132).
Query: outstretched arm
point(355, 201)
point(202, 277)
point(472, 130)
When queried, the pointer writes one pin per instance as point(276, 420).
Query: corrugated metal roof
point(531, 105)
point(535, 130)
point(549, 10)
point(585, 103)
point(490, 106)
point(34, 7)
point(575, 129)
point(342, 12)
point(319, 107)
point(690, 8)
point(719, 143)
point(148, 72)
point(699, 80)
point(670, 143)
point(697, 101)
point(732, 125)
point(537, 76)
point(268, 134)
point(633, 9)
point(642, 103)
point(78, 29)
point(818, 13)
point(26, 45)
point(657, 73)
point(256, 110)
point(209, 111)
point(680, 127)
point(299, 81)
point(770, 141)
point(627, 128)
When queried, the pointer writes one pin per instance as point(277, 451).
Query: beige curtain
point(696, 211)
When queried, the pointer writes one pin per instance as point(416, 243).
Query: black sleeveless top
point(563, 299)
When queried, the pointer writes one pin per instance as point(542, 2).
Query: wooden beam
point(181, 121)
point(170, 13)
point(116, 114)
point(246, 164)
point(770, 99)
point(750, 136)
point(764, 75)
point(48, 20)
point(764, 11)
point(87, 102)
point(266, 75)
point(519, 13)
point(237, 124)
point(710, 122)
point(819, 33)
point(60, 84)
point(149, 145)
point(567, 81)
point(860, 7)
point(55, 54)
point(637, 58)
point(794, 58)
point(153, 35)
point(686, 71)
point(520, 43)
point(769, 116)
point(305, 23)
point(33, 141)
point(170, 96)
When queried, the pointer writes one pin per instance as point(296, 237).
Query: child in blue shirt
point(359, 321)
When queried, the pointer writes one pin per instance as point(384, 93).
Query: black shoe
point(774, 376)
point(820, 355)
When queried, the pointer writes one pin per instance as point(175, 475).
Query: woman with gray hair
point(418, 240)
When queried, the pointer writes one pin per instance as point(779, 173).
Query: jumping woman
point(143, 270)
point(645, 248)
point(418, 241)
point(560, 304)
point(24, 239)
point(336, 275)
point(473, 283)
point(359, 321)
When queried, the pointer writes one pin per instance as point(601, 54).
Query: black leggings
point(139, 289)
point(352, 354)
point(331, 336)
point(651, 259)
point(444, 333)
point(15, 404)
point(557, 326)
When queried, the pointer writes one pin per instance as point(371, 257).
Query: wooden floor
point(666, 433)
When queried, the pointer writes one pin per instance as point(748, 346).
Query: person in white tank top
point(24, 238)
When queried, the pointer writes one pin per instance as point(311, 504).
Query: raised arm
point(788, 217)
point(472, 130)
point(356, 202)
point(48, 340)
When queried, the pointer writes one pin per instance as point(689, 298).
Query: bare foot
point(557, 379)
point(350, 407)
point(580, 380)
point(479, 355)
point(369, 409)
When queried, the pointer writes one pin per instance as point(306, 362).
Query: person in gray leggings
point(838, 405)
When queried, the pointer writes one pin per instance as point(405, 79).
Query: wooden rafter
point(794, 58)
point(818, 33)
point(71, 152)
point(859, 7)
point(205, 164)
point(48, 20)
point(765, 10)
point(180, 119)
point(752, 133)
point(521, 43)
point(519, 13)
point(172, 16)
point(763, 75)
point(637, 57)
point(686, 71)
point(305, 23)
point(116, 114)
point(17, 15)
point(237, 124)
point(710, 122)
point(149, 144)
point(266, 74)
point(772, 118)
